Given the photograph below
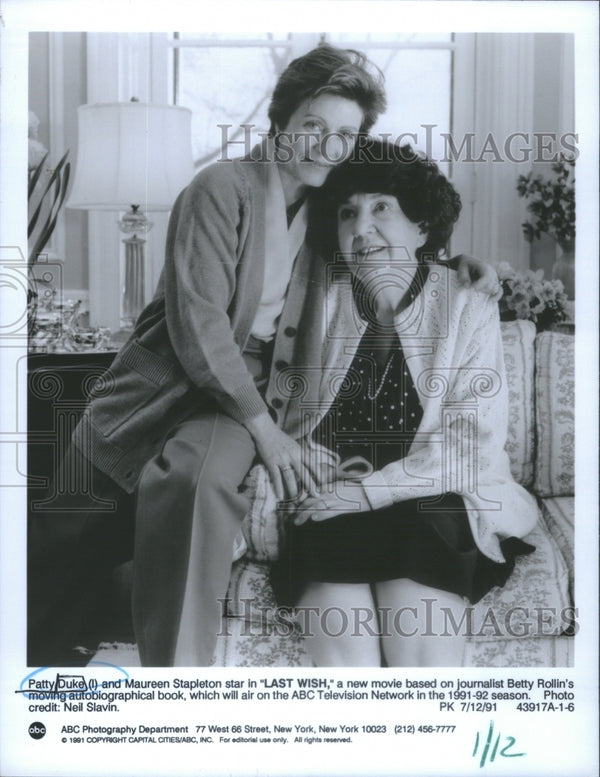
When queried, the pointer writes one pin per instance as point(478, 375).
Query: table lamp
point(135, 156)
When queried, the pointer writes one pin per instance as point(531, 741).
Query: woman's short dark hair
point(328, 70)
point(424, 194)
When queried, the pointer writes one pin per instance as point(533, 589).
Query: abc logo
point(37, 730)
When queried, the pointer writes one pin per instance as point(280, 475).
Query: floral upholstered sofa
point(529, 622)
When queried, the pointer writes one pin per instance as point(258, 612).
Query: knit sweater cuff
point(377, 491)
point(245, 403)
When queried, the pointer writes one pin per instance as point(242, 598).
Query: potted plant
point(552, 205)
point(46, 193)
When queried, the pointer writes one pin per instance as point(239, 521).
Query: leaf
point(36, 176)
point(51, 182)
point(60, 183)
point(50, 225)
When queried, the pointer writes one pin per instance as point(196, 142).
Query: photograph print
point(301, 337)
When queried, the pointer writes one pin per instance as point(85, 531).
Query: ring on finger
point(286, 469)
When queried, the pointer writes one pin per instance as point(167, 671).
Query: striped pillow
point(559, 514)
point(517, 341)
point(555, 414)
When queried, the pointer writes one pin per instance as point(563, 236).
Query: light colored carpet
point(118, 654)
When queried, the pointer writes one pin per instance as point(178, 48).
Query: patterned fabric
point(540, 580)
point(255, 633)
point(526, 652)
point(517, 341)
point(377, 410)
point(555, 414)
point(529, 651)
point(559, 514)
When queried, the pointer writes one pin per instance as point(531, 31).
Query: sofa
point(532, 620)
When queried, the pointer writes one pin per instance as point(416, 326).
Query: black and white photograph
point(295, 375)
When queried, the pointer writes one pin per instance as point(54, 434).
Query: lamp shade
point(131, 154)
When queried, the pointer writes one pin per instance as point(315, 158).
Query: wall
point(57, 85)
point(505, 84)
point(553, 111)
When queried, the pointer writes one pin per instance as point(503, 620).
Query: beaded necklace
point(388, 367)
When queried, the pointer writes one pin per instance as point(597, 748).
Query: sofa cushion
point(559, 513)
point(517, 340)
point(555, 417)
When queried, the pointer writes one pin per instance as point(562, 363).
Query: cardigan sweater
point(186, 348)
point(453, 348)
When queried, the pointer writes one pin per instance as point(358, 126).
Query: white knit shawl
point(452, 343)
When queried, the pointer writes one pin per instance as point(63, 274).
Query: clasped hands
point(327, 501)
point(302, 484)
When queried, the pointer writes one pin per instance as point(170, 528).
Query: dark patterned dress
point(376, 415)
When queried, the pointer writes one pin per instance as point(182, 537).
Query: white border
point(18, 755)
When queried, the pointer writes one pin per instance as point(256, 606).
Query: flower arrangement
point(552, 203)
point(529, 296)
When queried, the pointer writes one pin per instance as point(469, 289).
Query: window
point(228, 79)
point(418, 82)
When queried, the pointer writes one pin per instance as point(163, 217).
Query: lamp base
point(132, 223)
point(133, 292)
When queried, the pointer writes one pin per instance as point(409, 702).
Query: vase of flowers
point(551, 202)
point(528, 295)
point(564, 267)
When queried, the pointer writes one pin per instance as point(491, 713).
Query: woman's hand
point(282, 456)
point(480, 275)
point(341, 496)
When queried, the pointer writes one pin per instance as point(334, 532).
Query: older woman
point(415, 386)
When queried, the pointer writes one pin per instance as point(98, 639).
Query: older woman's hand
point(477, 274)
point(341, 496)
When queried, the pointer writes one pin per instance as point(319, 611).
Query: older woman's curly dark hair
point(424, 194)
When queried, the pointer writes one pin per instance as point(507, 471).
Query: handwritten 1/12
point(486, 755)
